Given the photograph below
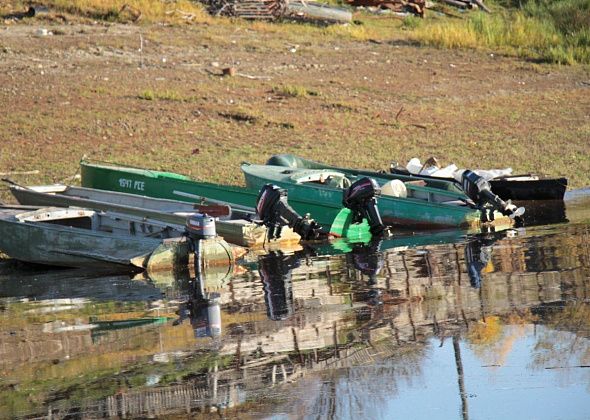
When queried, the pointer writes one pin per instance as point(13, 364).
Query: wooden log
point(481, 5)
point(319, 11)
point(459, 4)
point(35, 172)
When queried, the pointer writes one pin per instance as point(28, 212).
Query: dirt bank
point(151, 95)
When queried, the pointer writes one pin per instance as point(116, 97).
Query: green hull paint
point(324, 201)
point(161, 185)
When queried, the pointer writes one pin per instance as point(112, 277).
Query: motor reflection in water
point(478, 253)
point(275, 271)
point(202, 308)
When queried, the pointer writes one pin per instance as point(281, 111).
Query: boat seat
point(329, 178)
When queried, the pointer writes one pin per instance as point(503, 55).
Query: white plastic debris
point(446, 172)
point(414, 166)
point(394, 188)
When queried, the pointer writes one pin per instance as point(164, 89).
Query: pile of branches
point(248, 9)
point(274, 9)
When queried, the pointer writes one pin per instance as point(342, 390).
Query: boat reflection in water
point(323, 332)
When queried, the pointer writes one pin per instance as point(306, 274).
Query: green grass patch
point(294, 91)
point(166, 95)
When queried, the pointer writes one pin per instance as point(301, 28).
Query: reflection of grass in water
point(559, 345)
point(573, 317)
point(93, 383)
point(26, 313)
point(373, 384)
point(485, 332)
point(493, 340)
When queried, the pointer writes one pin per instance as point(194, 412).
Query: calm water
point(450, 326)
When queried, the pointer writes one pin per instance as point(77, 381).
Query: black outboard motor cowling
point(480, 191)
point(361, 199)
point(275, 212)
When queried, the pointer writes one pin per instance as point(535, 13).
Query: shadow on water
point(436, 326)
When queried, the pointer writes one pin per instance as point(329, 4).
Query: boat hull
point(321, 203)
point(293, 161)
point(324, 203)
point(528, 190)
point(64, 246)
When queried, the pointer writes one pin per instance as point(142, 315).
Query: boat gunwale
point(45, 225)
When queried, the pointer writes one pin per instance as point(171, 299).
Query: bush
point(553, 31)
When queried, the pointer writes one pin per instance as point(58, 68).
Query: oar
point(213, 201)
point(13, 183)
point(7, 206)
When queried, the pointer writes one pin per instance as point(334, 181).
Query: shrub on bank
point(554, 31)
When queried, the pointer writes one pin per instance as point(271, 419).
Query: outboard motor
point(275, 212)
point(361, 199)
point(480, 191)
point(200, 226)
point(213, 257)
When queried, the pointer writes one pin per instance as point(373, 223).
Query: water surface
point(450, 325)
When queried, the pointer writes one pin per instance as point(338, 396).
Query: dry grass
point(177, 11)
point(164, 95)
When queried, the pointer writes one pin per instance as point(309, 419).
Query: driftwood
point(416, 7)
point(458, 3)
point(35, 172)
point(482, 6)
point(468, 4)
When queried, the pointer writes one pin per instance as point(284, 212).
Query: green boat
point(402, 205)
point(168, 185)
point(298, 162)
